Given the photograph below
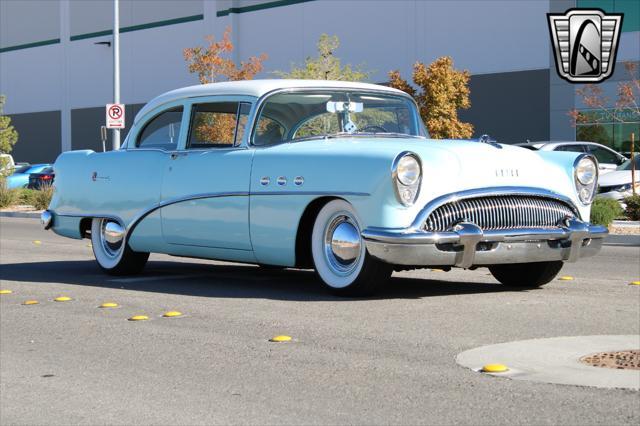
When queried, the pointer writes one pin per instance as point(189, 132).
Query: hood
point(454, 165)
point(618, 177)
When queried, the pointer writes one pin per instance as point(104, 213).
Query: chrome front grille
point(499, 212)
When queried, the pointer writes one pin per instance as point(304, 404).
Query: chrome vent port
point(500, 212)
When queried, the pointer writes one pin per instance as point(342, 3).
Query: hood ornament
point(487, 139)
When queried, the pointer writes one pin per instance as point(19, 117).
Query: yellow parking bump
point(494, 368)
point(566, 278)
point(109, 305)
point(4, 291)
point(37, 242)
point(437, 270)
point(62, 299)
point(30, 302)
point(90, 245)
point(634, 283)
point(279, 339)
point(139, 318)
point(172, 314)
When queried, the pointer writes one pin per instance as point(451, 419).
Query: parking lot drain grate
point(621, 360)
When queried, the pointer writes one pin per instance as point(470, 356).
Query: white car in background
point(608, 159)
point(617, 185)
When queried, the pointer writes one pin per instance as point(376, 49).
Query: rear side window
point(217, 124)
point(163, 131)
point(604, 155)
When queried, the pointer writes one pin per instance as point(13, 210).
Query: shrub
point(8, 196)
point(633, 207)
point(26, 196)
point(42, 197)
point(604, 211)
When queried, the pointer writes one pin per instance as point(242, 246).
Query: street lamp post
point(116, 66)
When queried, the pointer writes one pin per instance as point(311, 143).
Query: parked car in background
point(20, 176)
point(617, 185)
point(332, 175)
point(41, 179)
point(608, 159)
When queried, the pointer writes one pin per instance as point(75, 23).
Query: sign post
point(116, 70)
point(103, 137)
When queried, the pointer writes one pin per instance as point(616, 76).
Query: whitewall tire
point(112, 253)
point(339, 254)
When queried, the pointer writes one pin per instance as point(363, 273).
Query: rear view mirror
point(344, 106)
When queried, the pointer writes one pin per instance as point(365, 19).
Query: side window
point(220, 124)
point(604, 155)
point(268, 132)
point(570, 148)
point(163, 131)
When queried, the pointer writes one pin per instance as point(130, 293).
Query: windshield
point(297, 116)
point(627, 164)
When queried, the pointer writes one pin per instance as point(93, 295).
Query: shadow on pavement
point(230, 281)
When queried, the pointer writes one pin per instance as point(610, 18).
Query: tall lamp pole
point(116, 66)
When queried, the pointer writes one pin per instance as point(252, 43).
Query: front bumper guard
point(468, 245)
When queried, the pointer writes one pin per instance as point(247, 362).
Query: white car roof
point(255, 88)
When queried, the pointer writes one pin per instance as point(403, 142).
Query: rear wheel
point(113, 254)
point(339, 255)
point(526, 275)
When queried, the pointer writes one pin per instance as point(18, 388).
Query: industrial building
point(56, 57)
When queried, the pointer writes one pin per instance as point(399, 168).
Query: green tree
point(326, 66)
point(8, 134)
point(442, 91)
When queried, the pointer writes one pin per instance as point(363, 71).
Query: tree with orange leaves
point(444, 90)
point(212, 64)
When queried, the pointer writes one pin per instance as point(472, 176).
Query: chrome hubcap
point(342, 244)
point(111, 238)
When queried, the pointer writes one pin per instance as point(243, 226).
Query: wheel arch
point(305, 226)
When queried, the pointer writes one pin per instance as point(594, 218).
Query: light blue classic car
point(336, 176)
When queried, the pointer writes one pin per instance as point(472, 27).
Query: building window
point(630, 8)
point(601, 127)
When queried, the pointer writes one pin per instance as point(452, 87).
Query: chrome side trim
point(138, 218)
point(479, 192)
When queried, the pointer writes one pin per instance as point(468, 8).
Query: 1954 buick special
point(340, 177)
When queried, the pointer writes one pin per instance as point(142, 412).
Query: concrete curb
point(624, 223)
point(556, 360)
point(25, 215)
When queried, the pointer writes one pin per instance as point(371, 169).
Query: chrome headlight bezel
point(586, 186)
point(407, 188)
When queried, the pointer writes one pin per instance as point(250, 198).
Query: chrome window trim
point(259, 104)
point(479, 192)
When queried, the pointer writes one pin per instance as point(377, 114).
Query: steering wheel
point(374, 127)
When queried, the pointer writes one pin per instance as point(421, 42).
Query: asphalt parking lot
point(389, 360)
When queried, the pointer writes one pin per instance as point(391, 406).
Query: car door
point(205, 190)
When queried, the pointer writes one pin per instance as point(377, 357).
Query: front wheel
point(526, 275)
point(113, 254)
point(339, 255)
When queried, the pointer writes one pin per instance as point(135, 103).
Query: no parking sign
point(115, 116)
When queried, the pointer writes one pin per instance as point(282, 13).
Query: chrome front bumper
point(467, 245)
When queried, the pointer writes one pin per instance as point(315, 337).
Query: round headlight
point(586, 171)
point(408, 170)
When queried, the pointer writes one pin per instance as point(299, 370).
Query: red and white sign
point(115, 116)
